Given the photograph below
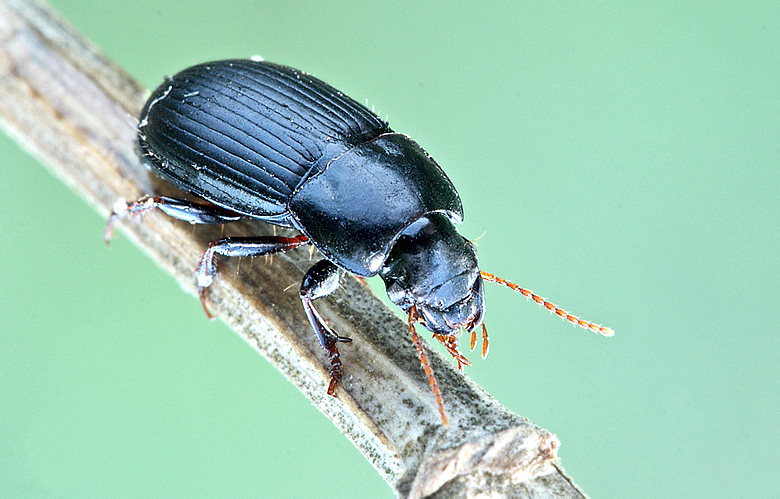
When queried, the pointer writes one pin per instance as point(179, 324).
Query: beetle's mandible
point(264, 141)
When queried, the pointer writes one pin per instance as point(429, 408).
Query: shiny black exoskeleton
point(264, 141)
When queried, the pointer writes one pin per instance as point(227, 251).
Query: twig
point(76, 111)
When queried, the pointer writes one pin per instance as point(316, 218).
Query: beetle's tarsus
point(335, 369)
point(121, 209)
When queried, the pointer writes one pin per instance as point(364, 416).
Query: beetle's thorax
point(361, 200)
point(434, 268)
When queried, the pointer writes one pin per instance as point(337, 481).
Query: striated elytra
point(264, 141)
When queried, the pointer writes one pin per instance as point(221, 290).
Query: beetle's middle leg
point(238, 246)
point(321, 280)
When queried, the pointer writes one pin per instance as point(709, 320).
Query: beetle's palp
point(485, 344)
point(555, 309)
point(450, 342)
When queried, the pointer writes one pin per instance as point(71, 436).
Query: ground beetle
point(264, 141)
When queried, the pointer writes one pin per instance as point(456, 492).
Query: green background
point(622, 159)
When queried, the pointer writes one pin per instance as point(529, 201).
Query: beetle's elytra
point(264, 141)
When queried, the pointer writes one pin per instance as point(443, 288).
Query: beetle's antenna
point(426, 364)
point(596, 328)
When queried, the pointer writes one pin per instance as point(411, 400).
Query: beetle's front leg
point(321, 280)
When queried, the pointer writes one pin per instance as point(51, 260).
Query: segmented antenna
point(596, 328)
point(426, 364)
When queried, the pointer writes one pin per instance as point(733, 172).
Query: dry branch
point(75, 110)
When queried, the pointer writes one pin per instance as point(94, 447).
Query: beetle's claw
point(202, 294)
point(332, 386)
point(108, 232)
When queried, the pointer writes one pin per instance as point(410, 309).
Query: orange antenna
point(596, 328)
point(426, 364)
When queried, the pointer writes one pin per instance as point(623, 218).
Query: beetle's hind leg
point(238, 246)
point(194, 213)
point(321, 280)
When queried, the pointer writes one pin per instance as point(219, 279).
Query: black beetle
point(264, 141)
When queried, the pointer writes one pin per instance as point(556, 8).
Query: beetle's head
point(434, 269)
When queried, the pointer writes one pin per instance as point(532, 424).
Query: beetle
point(264, 141)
